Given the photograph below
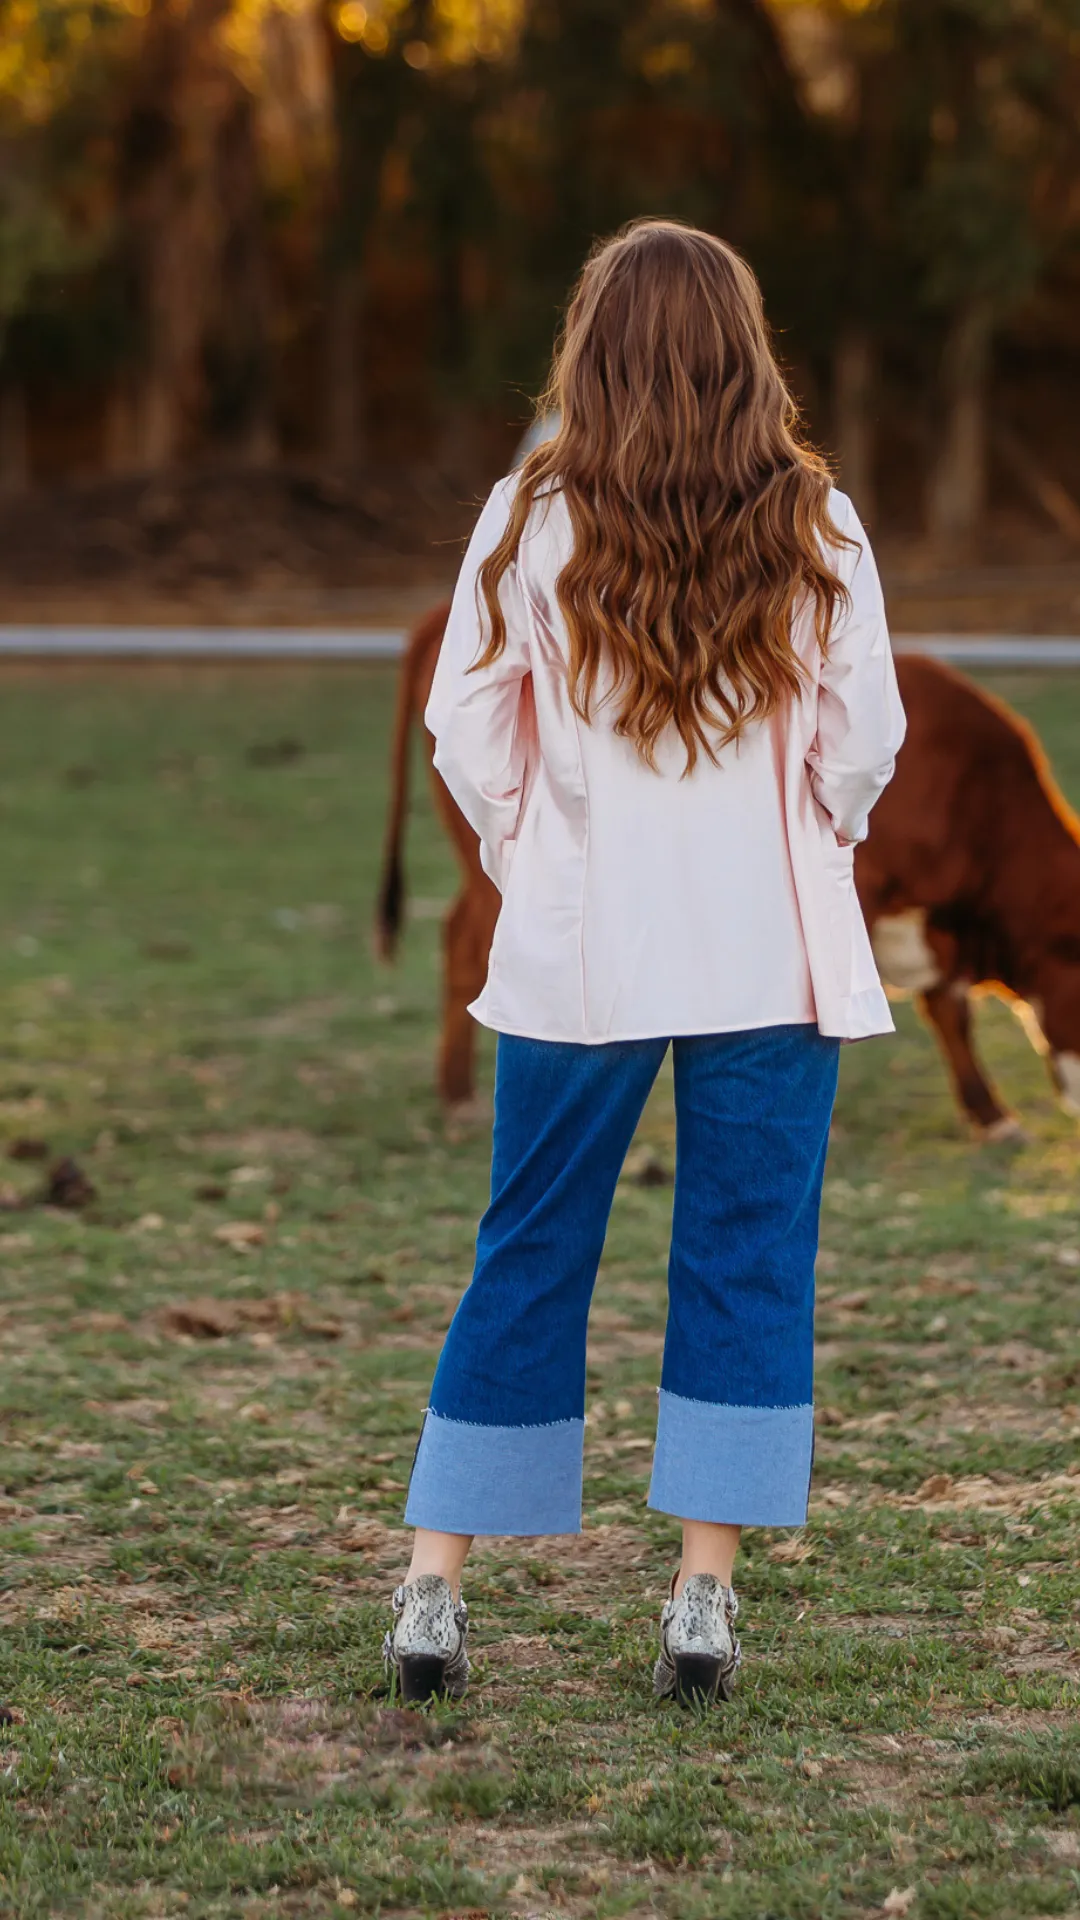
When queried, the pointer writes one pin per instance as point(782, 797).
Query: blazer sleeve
point(860, 719)
point(481, 721)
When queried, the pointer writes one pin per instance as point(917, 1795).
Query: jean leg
point(501, 1447)
point(735, 1433)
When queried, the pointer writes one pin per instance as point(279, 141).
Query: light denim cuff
point(735, 1466)
point(478, 1479)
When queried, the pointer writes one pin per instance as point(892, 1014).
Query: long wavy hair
point(700, 517)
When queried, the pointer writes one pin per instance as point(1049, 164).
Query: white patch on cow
point(1030, 1015)
point(1067, 1074)
point(903, 953)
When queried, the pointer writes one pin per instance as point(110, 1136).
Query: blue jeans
point(501, 1447)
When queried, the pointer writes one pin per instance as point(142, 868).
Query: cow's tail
point(414, 682)
point(390, 910)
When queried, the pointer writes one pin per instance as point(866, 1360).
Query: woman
point(666, 703)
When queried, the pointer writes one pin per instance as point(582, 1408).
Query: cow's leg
point(458, 1048)
point(948, 1009)
point(467, 936)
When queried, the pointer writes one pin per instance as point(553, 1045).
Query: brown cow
point(970, 881)
point(470, 923)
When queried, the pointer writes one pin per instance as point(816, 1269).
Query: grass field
point(213, 1376)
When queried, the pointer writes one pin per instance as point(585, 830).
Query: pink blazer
point(640, 903)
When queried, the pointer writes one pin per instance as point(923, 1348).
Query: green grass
point(1044, 1769)
point(198, 1533)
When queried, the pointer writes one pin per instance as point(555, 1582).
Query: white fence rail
point(315, 643)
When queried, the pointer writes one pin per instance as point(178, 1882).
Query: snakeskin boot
point(699, 1654)
point(425, 1648)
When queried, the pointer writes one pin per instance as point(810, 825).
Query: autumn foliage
point(340, 231)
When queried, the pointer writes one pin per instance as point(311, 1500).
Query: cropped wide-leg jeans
point(501, 1448)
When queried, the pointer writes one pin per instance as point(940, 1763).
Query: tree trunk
point(854, 381)
point(14, 441)
point(243, 325)
point(118, 429)
point(956, 493)
point(342, 428)
point(168, 193)
point(259, 445)
point(1047, 492)
point(369, 98)
point(161, 398)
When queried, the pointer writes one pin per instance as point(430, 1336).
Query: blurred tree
point(999, 97)
point(189, 233)
point(454, 195)
point(58, 63)
point(205, 201)
point(34, 242)
point(373, 80)
point(834, 227)
point(952, 145)
point(616, 108)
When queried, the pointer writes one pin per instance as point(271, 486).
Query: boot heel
point(422, 1676)
point(697, 1679)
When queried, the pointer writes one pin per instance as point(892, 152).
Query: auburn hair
point(700, 517)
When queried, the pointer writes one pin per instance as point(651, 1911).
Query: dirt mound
point(289, 545)
point(201, 535)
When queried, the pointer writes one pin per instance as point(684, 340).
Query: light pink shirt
point(638, 903)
